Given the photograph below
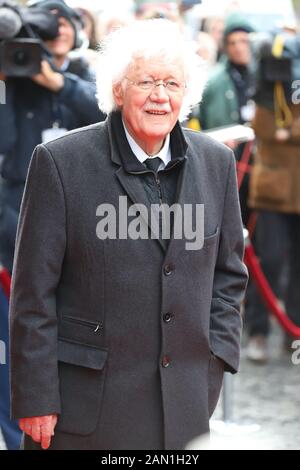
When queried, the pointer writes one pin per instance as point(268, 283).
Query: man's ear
point(118, 94)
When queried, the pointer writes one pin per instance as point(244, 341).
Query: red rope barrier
point(252, 261)
point(243, 167)
point(266, 292)
point(5, 281)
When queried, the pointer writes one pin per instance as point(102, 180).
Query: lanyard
point(56, 112)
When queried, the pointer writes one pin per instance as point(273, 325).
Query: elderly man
point(120, 337)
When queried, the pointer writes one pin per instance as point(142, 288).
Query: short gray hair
point(148, 39)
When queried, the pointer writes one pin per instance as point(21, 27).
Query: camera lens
point(21, 58)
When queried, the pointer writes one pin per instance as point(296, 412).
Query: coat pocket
point(211, 240)
point(79, 330)
point(81, 371)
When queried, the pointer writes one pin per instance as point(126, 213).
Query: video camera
point(22, 32)
point(283, 68)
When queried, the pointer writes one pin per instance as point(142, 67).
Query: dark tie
point(153, 163)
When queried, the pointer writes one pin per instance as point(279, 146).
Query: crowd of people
point(62, 97)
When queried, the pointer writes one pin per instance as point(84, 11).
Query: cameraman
point(60, 98)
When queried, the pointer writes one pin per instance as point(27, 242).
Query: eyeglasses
point(150, 84)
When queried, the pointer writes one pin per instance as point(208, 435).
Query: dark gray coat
point(88, 331)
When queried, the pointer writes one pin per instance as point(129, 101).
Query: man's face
point(150, 115)
point(64, 42)
point(238, 48)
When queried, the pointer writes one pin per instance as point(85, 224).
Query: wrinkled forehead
point(157, 66)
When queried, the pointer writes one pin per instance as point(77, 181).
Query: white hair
point(148, 39)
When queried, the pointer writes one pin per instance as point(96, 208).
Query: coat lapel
point(130, 181)
point(189, 192)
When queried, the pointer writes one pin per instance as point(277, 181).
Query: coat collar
point(121, 151)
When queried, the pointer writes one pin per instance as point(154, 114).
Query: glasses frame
point(156, 83)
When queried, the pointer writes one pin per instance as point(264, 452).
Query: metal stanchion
point(227, 426)
point(226, 434)
point(227, 393)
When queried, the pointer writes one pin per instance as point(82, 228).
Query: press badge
point(53, 133)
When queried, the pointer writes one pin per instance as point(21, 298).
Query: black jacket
point(30, 109)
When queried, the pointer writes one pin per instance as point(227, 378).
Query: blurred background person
point(110, 20)
point(274, 189)
point(207, 48)
point(60, 98)
point(10, 429)
point(155, 10)
point(90, 36)
point(228, 97)
point(90, 27)
point(230, 88)
point(214, 26)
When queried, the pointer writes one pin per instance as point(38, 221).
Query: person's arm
point(80, 96)
point(40, 249)
point(230, 280)
point(8, 131)
point(76, 93)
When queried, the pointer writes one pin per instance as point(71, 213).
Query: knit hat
point(72, 16)
point(237, 22)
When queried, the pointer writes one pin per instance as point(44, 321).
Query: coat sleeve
point(230, 280)
point(80, 95)
point(40, 249)
point(8, 131)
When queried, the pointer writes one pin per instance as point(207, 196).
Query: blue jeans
point(10, 429)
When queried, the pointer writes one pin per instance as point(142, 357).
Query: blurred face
point(217, 30)
point(88, 26)
point(149, 115)
point(238, 48)
point(64, 42)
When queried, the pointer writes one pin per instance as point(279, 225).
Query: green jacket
point(219, 106)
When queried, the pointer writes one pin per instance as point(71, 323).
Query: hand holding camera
point(48, 78)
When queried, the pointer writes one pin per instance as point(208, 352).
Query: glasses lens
point(146, 84)
point(172, 85)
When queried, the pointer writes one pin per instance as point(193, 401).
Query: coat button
point(165, 361)
point(229, 94)
point(168, 317)
point(168, 270)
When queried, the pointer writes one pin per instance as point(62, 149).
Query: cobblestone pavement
point(266, 395)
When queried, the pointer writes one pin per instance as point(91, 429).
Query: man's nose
point(159, 93)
